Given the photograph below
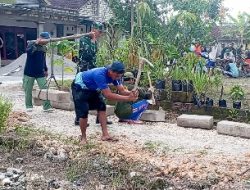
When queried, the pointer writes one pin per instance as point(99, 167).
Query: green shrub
point(5, 109)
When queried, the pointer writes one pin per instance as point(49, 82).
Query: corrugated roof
point(67, 4)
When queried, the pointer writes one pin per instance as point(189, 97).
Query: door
point(10, 45)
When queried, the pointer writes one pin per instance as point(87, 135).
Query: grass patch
point(5, 109)
point(151, 146)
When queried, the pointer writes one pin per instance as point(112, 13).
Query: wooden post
point(72, 37)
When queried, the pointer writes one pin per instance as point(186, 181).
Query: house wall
point(97, 13)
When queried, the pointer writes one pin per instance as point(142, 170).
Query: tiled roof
point(67, 4)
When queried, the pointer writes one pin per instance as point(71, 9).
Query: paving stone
point(195, 121)
point(110, 111)
point(233, 129)
point(63, 106)
point(53, 95)
point(154, 116)
point(37, 102)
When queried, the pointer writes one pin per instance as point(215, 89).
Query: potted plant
point(222, 102)
point(188, 70)
point(158, 75)
point(177, 76)
point(237, 94)
point(200, 81)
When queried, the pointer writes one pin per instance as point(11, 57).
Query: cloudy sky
point(236, 6)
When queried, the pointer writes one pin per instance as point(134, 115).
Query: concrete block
point(37, 102)
point(154, 116)
point(63, 106)
point(195, 121)
point(110, 111)
point(53, 95)
point(233, 129)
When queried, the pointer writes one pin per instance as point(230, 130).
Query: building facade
point(23, 20)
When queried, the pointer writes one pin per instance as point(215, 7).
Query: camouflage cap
point(128, 75)
point(98, 25)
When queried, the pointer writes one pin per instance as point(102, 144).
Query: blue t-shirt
point(234, 70)
point(95, 79)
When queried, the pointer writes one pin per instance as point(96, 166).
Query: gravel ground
point(165, 135)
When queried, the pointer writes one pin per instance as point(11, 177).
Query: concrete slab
point(233, 129)
point(53, 95)
point(195, 121)
point(37, 102)
point(63, 106)
point(110, 111)
point(154, 116)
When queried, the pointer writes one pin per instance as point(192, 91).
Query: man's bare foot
point(109, 138)
point(83, 141)
point(135, 122)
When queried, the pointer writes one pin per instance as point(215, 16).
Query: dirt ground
point(150, 156)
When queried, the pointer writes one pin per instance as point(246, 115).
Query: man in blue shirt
point(232, 70)
point(88, 90)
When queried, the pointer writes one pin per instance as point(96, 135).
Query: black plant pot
point(222, 103)
point(160, 84)
point(187, 86)
point(197, 101)
point(237, 105)
point(209, 102)
point(176, 85)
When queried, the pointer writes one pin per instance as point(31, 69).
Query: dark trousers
point(86, 100)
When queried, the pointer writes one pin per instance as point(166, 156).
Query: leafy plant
point(5, 109)
point(177, 73)
point(233, 114)
point(237, 93)
point(217, 80)
point(65, 48)
point(200, 82)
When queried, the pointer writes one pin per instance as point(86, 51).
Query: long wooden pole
point(142, 60)
point(72, 37)
point(151, 88)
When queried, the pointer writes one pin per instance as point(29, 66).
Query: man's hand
point(46, 73)
point(41, 41)
point(135, 92)
point(132, 97)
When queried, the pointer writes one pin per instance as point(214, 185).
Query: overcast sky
point(236, 6)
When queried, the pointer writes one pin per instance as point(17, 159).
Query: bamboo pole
point(142, 60)
point(72, 37)
point(151, 88)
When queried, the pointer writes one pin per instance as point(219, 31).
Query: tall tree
point(240, 26)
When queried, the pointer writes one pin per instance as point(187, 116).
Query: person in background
point(131, 112)
point(211, 61)
point(198, 48)
point(232, 70)
point(229, 55)
point(36, 69)
point(239, 51)
point(233, 50)
point(246, 66)
point(87, 90)
point(88, 48)
point(223, 49)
